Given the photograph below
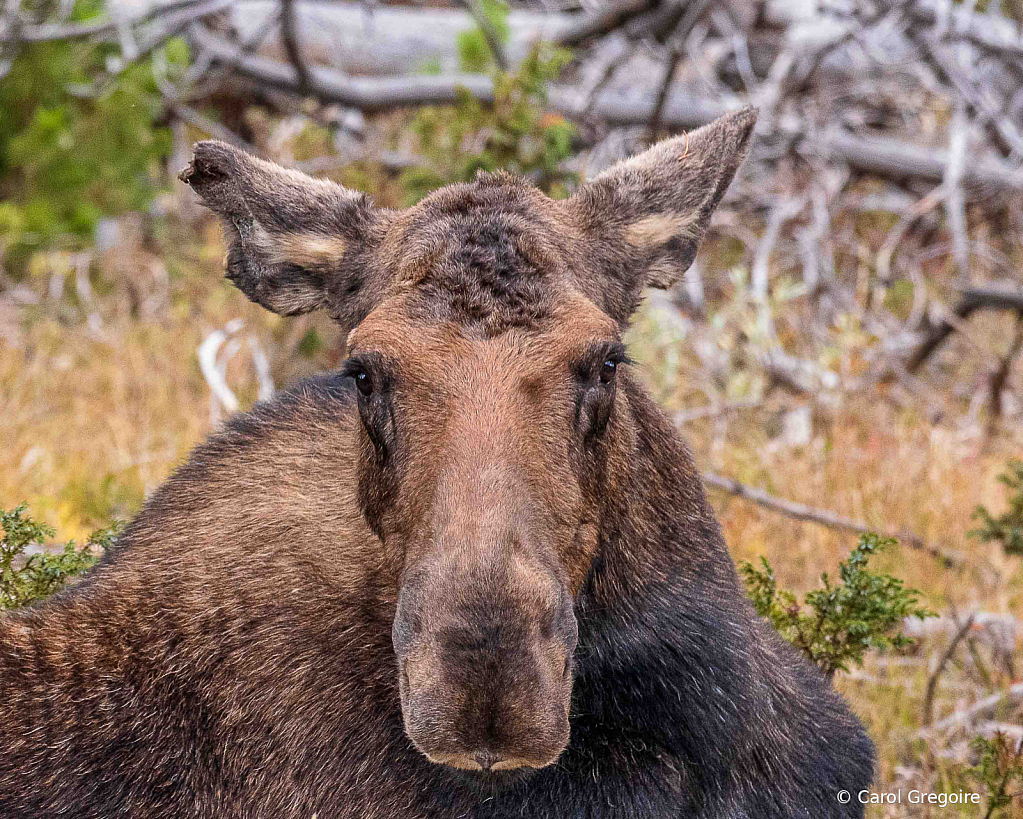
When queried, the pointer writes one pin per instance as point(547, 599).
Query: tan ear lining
point(659, 228)
point(308, 250)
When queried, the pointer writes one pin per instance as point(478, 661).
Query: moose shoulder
point(474, 574)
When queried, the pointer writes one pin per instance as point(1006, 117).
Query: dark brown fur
point(472, 575)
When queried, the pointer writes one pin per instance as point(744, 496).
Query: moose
point(474, 573)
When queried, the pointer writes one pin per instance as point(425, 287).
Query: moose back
point(473, 574)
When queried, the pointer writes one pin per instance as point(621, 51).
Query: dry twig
point(932, 679)
point(824, 517)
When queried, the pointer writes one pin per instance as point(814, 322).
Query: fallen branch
point(175, 15)
point(606, 19)
point(1003, 297)
point(369, 94)
point(289, 33)
point(984, 31)
point(680, 111)
point(1012, 697)
point(824, 517)
point(897, 159)
point(932, 679)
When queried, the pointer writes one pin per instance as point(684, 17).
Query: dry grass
point(93, 419)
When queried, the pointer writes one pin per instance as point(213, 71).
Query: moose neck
point(661, 591)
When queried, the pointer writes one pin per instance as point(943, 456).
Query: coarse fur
point(474, 574)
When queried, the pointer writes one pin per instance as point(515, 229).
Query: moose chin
point(472, 574)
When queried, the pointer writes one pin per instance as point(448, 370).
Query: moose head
point(484, 337)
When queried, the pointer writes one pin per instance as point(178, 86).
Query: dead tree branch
point(1005, 297)
point(881, 155)
point(489, 33)
point(824, 517)
point(611, 16)
point(173, 17)
point(932, 679)
point(1011, 696)
point(289, 33)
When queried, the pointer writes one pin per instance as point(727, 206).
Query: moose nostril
point(486, 759)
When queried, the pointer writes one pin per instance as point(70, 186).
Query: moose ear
point(644, 218)
point(294, 241)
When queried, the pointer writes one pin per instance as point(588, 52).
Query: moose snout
point(486, 677)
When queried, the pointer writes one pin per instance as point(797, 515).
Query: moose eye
point(364, 383)
point(608, 370)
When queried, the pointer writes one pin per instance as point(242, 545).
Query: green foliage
point(310, 344)
point(66, 159)
point(1007, 528)
point(514, 134)
point(838, 623)
point(999, 765)
point(23, 581)
point(473, 50)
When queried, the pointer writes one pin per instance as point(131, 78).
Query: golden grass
point(92, 420)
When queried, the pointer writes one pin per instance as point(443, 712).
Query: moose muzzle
point(484, 638)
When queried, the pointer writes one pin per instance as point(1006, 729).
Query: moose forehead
point(490, 256)
point(420, 330)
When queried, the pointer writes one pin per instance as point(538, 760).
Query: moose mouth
point(479, 766)
point(489, 780)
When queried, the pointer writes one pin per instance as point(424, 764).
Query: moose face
point(484, 341)
point(483, 462)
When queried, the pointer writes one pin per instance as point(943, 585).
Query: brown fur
point(474, 574)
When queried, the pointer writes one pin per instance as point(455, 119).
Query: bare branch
point(179, 14)
point(955, 205)
point(992, 297)
point(289, 34)
point(895, 235)
point(1001, 375)
point(366, 93)
point(675, 53)
point(208, 126)
point(654, 126)
point(932, 679)
point(785, 210)
point(489, 32)
point(824, 517)
point(211, 80)
point(1011, 696)
point(716, 410)
point(610, 16)
point(985, 31)
point(896, 159)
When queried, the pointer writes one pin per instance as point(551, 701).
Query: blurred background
point(844, 356)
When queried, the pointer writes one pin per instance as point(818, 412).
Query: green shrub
point(75, 142)
point(838, 623)
point(515, 134)
point(23, 581)
point(473, 50)
point(1007, 528)
point(998, 771)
